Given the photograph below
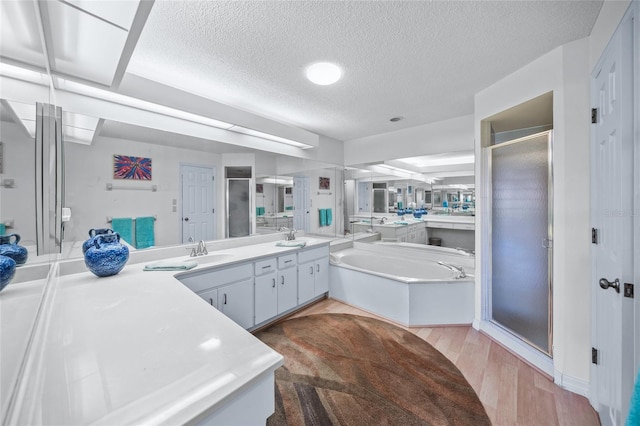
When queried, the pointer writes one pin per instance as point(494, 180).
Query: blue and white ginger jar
point(7, 270)
point(107, 256)
point(92, 235)
point(11, 249)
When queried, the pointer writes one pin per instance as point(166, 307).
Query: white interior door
point(613, 336)
point(198, 203)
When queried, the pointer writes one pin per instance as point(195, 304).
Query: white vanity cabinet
point(276, 286)
point(287, 283)
point(236, 301)
point(229, 289)
point(266, 290)
point(313, 273)
point(263, 288)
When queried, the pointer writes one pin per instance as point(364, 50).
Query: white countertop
point(140, 347)
point(412, 221)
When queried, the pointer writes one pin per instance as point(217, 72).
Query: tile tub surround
point(140, 347)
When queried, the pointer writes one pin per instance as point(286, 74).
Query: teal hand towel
point(400, 222)
point(329, 214)
point(168, 265)
point(291, 243)
point(323, 217)
point(3, 229)
point(634, 408)
point(124, 227)
point(144, 232)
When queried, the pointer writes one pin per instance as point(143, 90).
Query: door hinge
point(594, 356)
point(594, 115)
point(213, 210)
point(628, 290)
point(213, 178)
point(594, 236)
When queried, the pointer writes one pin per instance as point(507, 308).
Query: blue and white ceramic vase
point(92, 235)
point(11, 249)
point(107, 256)
point(7, 270)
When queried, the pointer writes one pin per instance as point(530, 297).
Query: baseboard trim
point(572, 384)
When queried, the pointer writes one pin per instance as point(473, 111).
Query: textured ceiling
point(423, 60)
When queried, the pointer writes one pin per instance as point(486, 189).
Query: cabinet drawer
point(469, 226)
point(265, 266)
point(209, 279)
point(312, 254)
point(439, 225)
point(287, 261)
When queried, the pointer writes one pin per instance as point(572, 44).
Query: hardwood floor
point(512, 392)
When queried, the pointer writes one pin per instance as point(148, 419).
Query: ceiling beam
point(139, 21)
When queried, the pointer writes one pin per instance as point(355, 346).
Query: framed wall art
point(324, 183)
point(129, 167)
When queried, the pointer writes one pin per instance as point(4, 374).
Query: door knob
point(186, 219)
point(605, 284)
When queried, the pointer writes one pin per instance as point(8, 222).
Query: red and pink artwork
point(128, 167)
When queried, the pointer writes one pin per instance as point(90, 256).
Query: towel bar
point(110, 187)
point(110, 218)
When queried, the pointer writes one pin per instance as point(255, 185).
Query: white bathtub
point(403, 284)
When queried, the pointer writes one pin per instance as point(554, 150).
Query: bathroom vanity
point(150, 347)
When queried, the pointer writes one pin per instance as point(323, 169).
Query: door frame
point(180, 203)
point(514, 343)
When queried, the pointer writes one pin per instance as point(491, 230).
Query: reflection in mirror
point(185, 189)
point(440, 184)
point(17, 171)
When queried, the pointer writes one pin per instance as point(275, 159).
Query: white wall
point(18, 203)
point(451, 135)
point(565, 72)
point(89, 168)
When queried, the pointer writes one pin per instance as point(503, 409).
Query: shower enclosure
point(239, 201)
point(520, 296)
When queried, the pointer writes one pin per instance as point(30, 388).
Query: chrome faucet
point(202, 249)
point(383, 220)
point(290, 236)
point(459, 272)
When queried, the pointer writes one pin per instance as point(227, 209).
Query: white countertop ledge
point(141, 348)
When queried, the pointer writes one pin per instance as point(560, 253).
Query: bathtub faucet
point(453, 268)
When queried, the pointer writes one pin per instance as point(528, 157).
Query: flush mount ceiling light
point(323, 73)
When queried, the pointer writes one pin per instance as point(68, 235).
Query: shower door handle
point(605, 284)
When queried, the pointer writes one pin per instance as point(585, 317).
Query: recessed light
point(323, 73)
point(396, 119)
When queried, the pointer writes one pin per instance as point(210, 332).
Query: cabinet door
point(266, 297)
point(321, 274)
point(236, 302)
point(287, 289)
point(306, 281)
point(210, 296)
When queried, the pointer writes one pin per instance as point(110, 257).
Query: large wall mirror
point(244, 192)
point(441, 185)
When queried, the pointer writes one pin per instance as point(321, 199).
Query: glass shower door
point(521, 234)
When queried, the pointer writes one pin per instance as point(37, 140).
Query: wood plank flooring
point(512, 392)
